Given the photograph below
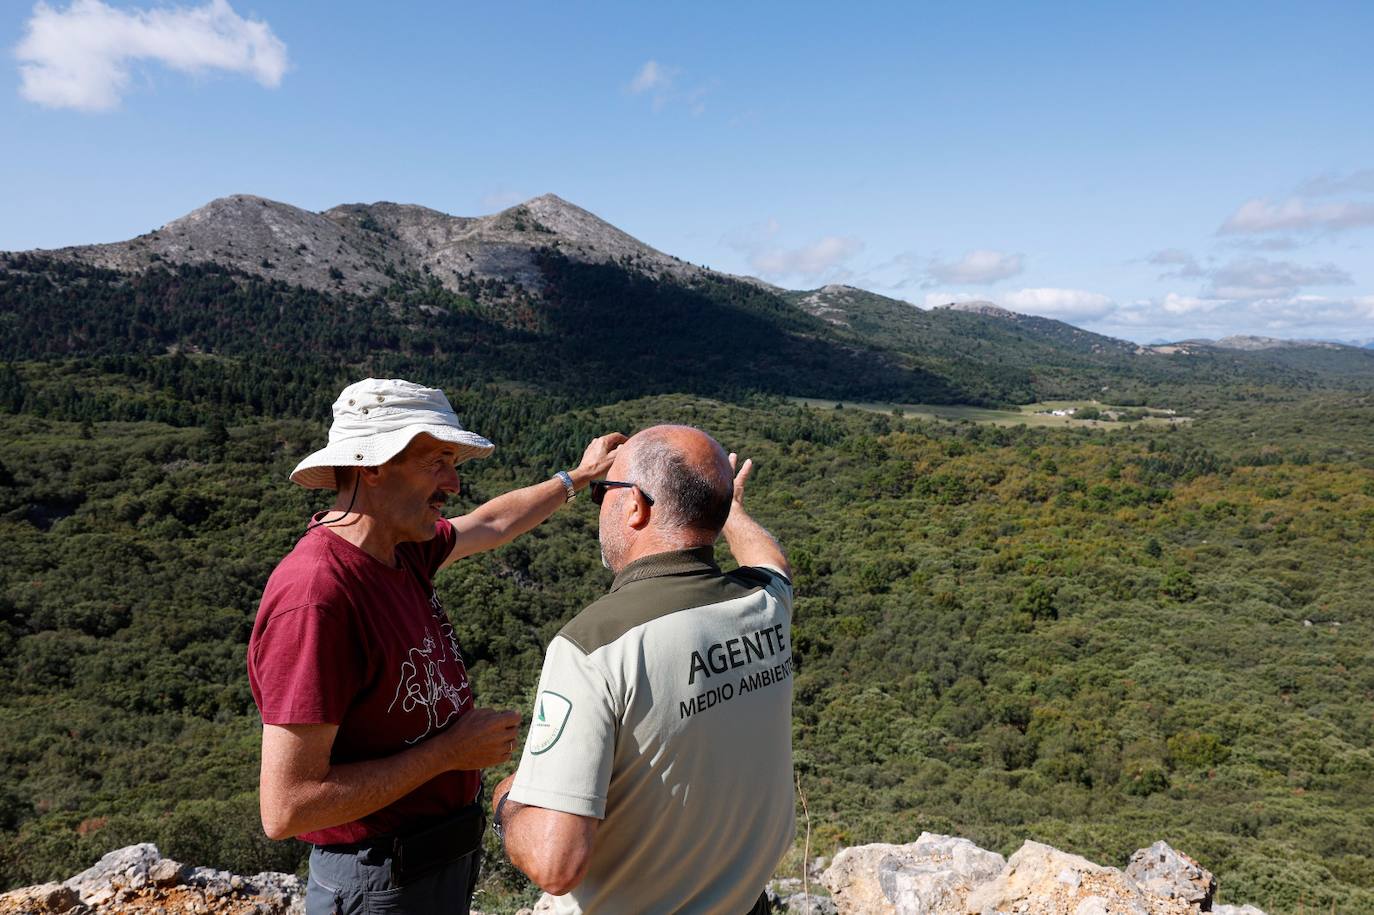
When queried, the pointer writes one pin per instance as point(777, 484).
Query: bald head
point(686, 472)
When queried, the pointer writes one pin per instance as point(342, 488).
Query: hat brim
point(317, 470)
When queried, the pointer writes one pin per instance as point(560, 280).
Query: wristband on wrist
point(496, 825)
point(566, 479)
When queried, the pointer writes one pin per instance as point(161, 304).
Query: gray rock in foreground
point(943, 875)
point(138, 877)
point(1161, 871)
point(933, 874)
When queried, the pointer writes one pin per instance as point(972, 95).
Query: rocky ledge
point(935, 875)
point(137, 879)
point(944, 875)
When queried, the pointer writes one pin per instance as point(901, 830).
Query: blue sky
point(1150, 170)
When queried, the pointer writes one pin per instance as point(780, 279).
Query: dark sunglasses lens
point(598, 491)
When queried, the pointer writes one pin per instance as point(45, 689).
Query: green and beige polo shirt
point(664, 709)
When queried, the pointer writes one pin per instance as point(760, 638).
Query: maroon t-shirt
point(342, 638)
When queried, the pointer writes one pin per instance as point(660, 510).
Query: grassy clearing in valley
point(1033, 414)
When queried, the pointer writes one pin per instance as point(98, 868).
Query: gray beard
point(604, 562)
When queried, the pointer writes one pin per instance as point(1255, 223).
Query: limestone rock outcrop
point(933, 874)
point(1161, 871)
point(943, 875)
point(138, 879)
point(1040, 880)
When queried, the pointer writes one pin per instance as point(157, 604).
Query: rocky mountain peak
point(364, 247)
point(980, 307)
point(1251, 343)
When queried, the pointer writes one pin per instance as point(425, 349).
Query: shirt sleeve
point(435, 550)
point(779, 584)
point(303, 667)
point(570, 749)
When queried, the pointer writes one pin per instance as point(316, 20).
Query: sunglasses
point(599, 487)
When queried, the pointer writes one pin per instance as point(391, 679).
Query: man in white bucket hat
point(372, 745)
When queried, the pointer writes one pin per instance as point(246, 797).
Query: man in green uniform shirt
point(657, 774)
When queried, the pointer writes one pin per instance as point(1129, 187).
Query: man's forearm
point(502, 519)
point(343, 792)
point(521, 510)
point(751, 545)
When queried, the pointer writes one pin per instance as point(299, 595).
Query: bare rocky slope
point(361, 248)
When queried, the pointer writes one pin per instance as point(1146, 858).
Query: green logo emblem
point(551, 716)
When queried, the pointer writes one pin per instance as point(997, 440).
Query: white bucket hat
point(374, 419)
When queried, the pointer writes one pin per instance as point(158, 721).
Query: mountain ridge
point(557, 274)
point(362, 247)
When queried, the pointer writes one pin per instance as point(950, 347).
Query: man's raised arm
point(502, 519)
point(748, 541)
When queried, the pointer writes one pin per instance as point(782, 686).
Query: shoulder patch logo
point(551, 713)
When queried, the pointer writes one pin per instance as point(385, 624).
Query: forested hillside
point(597, 332)
point(1094, 639)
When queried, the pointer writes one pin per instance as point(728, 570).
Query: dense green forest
point(1091, 638)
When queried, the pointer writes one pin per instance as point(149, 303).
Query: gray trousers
point(363, 883)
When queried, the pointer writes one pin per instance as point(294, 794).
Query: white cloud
point(1065, 304)
point(1258, 277)
point(1181, 263)
point(1312, 314)
point(1332, 185)
point(1296, 214)
point(80, 57)
point(696, 100)
point(824, 257)
point(1272, 243)
point(822, 260)
point(1175, 304)
point(1246, 294)
point(1178, 317)
point(977, 268)
point(662, 84)
point(650, 76)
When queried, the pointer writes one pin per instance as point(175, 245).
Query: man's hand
point(751, 544)
point(482, 738)
point(597, 459)
point(740, 477)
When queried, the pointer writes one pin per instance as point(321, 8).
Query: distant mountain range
point(548, 293)
point(360, 248)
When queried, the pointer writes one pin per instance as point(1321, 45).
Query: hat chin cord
point(357, 478)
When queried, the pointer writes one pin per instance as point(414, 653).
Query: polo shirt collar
point(675, 562)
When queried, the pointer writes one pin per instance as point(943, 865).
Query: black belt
point(414, 853)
